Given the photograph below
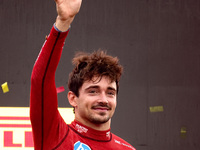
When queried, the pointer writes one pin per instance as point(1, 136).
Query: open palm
point(67, 8)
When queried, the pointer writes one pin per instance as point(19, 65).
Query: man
point(93, 87)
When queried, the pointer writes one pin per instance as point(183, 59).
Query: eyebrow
point(96, 87)
point(111, 88)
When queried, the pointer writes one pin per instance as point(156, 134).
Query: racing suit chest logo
point(81, 146)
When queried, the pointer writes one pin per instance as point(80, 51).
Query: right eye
point(92, 91)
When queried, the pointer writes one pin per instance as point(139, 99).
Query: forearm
point(45, 66)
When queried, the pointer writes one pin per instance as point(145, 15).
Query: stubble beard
point(100, 119)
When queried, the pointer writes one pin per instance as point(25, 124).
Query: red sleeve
point(45, 118)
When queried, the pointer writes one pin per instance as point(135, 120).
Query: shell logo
point(15, 127)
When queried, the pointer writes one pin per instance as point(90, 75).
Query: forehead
point(102, 82)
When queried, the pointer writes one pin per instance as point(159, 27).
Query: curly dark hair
point(97, 64)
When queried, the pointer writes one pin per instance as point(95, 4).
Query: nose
point(103, 98)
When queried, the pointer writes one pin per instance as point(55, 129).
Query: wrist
point(54, 25)
point(63, 25)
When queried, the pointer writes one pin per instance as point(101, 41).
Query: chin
point(99, 119)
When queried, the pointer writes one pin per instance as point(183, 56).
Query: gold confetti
point(156, 109)
point(183, 132)
point(5, 87)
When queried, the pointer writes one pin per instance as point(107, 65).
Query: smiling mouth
point(100, 108)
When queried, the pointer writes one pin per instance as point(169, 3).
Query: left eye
point(111, 93)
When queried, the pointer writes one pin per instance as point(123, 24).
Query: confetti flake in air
point(5, 87)
point(183, 132)
point(60, 89)
point(156, 109)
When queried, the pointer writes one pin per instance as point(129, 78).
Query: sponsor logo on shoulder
point(121, 143)
point(81, 146)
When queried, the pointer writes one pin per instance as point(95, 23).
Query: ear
point(72, 98)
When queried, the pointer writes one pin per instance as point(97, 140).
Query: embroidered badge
point(108, 134)
point(81, 146)
point(80, 128)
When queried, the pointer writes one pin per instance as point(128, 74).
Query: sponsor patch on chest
point(81, 146)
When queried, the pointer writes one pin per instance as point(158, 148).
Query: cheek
point(84, 103)
point(113, 103)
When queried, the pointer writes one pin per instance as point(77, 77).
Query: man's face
point(97, 100)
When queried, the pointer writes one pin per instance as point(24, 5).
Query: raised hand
point(66, 9)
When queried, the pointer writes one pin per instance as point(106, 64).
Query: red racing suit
point(50, 132)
